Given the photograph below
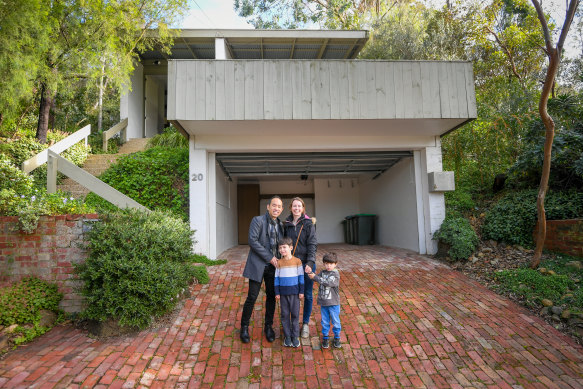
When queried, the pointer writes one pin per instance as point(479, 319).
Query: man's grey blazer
point(260, 252)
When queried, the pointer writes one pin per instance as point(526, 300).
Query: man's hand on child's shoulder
point(301, 296)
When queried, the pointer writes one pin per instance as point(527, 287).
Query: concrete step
point(96, 164)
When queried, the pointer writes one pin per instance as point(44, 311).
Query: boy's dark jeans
point(254, 288)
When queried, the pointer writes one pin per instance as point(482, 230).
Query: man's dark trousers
point(254, 287)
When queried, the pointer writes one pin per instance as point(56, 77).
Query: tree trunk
point(100, 101)
point(554, 61)
point(42, 128)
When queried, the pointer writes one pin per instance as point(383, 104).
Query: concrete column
point(433, 203)
point(199, 199)
point(212, 206)
point(221, 51)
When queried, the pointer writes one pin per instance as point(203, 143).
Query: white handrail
point(62, 145)
point(121, 126)
point(89, 181)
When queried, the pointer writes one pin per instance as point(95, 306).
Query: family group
point(283, 256)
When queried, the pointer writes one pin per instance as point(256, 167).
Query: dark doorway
point(247, 208)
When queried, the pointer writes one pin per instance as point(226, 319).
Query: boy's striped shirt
point(289, 277)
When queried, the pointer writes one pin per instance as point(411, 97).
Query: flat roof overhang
point(264, 44)
point(339, 127)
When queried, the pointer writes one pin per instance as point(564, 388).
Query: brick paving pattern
point(408, 321)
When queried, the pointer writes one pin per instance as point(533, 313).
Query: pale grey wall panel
point(284, 90)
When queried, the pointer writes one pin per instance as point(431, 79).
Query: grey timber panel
point(171, 110)
point(239, 90)
point(200, 90)
point(221, 100)
point(210, 91)
point(320, 80)
point(470, 91)
point(320, 89)
point(229, 90)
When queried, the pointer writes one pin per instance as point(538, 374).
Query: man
point(264, 233)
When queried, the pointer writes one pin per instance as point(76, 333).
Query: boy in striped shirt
point(289, 289)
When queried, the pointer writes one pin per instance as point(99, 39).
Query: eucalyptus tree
point(88, 40)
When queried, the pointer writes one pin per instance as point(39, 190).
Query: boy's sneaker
point(295, 342)
point(325, 343)
point(336, 343)
point(287, 342)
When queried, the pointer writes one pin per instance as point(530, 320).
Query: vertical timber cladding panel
point(444, 93)
point(239, 90)
point(453, 91)
point(320, 80)
point(353, 104)
point(388, 68)
point(470, 91)
point(254, 90)
point(210, 86)
point(188, 102)
point(273, 90)
point(371, 96)
point(460, 79)
point(335, 88)
point(417, 93)
point(362, 94)
point(182, 108)
point(229, 91)
point(430, 90)
point(200, 90)
point(287, 90)
point(171, 90)
point(220, 93)
point(302, 93)
point(408, 102)
point(398, 86)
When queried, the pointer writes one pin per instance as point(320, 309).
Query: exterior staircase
point(98, 163)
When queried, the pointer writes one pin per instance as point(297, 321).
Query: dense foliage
point(156, 178)
point(139, 263)
point(513, 218)
point(457, 232)
point(532, 286)
point(170, 138)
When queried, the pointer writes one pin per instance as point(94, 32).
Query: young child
point(329, 299)
point(289, 289)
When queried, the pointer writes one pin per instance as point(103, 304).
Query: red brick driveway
point(408, 321)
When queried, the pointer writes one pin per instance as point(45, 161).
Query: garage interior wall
point(335, 199)
point(287, 189)
point(392, 198)
point(226, 218)
point(132, 104)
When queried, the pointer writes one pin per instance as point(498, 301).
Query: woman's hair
point(300, 200)
point(330, 258)
point(285, 240)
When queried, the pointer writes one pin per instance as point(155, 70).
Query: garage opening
point(333, 185)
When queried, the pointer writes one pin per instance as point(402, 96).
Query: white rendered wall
point(335, 199)
point(430, 160)
point(200, 208)
point(132, 104)
point(226, 212)
point(392, 198)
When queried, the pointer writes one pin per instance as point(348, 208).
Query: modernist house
point(292, 113)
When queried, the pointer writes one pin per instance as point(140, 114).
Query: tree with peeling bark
point(554, 55)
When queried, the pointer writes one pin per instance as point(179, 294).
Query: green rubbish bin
point(349, 230)
point(364, 229)
point(345, 230)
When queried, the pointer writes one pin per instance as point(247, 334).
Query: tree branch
point(507, 52)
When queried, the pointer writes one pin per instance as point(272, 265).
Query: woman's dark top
point(307, 245)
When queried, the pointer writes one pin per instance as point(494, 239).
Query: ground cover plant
point(156, 178)
point(457, 233)
point(20, 308)
point(138, 266)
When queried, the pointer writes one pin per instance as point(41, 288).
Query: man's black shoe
point(245, 338)
point(269, 333)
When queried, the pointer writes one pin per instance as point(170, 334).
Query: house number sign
point(197, 177)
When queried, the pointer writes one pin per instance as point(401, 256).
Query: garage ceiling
point(310, 164)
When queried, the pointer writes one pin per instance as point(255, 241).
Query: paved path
point(408, 321)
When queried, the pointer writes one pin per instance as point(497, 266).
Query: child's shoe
point(325, 343)
point(287, 342)
point(336, 343)
point(295, 342)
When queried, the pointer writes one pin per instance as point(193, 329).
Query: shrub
point(138, 264)
point(457, 232)
point(22, 302)
point(532, 286)
point(459, 201)
point(170, 138)
point(201, 274)
point(156, 178)
point(513, 218)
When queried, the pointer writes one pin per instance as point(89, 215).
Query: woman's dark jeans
point(308, 296)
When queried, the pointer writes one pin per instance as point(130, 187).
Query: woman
point(300, 228)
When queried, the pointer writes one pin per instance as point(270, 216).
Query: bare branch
point(545, 27)
point(568, 19)
point(507, 52)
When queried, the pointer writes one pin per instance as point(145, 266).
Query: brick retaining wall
point(565, 236)
point(49, 253)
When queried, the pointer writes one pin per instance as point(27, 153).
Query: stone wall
point(565, 236)
point(49, 253)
